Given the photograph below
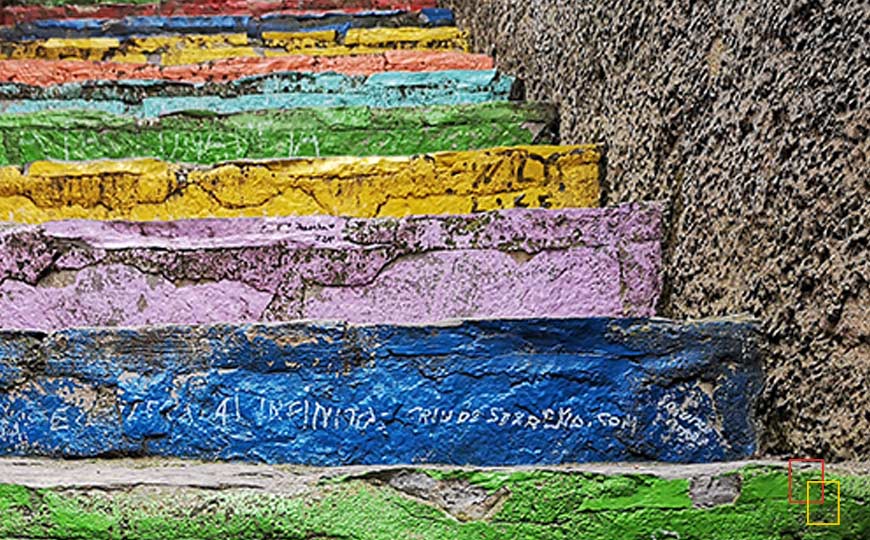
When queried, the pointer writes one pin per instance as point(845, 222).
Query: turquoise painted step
point(151, 99)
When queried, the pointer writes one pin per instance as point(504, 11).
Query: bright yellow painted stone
point(199, 48)
point(408, 37)
point(181, 57)
point(58, 48)
point(301, 40)
point(441, 183)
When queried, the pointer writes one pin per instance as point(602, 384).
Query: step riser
point(13, 14)
point(544, 392)
point(168, 500)
point(254, 27)
point(519, 263)
point(442, 183)
point(171, 50)
point(303, 132)
point(49, 73)
point(151, 99)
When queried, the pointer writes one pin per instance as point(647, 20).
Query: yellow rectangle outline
point(823, 482)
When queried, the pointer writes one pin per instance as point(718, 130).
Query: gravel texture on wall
point(750, 119)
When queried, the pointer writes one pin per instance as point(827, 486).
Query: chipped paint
point(577, 262)
point(550, 391)
point(209, 139)
point(151, 99)
point(48, 73)
point(441, 183)
point(175, 50)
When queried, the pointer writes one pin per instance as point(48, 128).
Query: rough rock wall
point(751, 120)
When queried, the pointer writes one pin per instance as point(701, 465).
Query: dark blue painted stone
point(483, 393)
point(253, 26)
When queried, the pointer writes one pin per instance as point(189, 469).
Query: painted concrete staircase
point(322, 234)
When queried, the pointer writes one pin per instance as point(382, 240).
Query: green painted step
point(209, 139)
point(170, 500)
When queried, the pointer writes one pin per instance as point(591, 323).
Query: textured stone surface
point(209, 139)
point(150, 99)
point(440, 183)
point(752, 119)
point(544, 391)
point(518, 263)
point(160, 500)
point(48, 72)
point(253, 26)
point(17, 11)
point(175, 50)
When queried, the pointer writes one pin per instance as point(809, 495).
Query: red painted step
point(19, 14)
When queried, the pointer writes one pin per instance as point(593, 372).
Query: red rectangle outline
point(805, 460)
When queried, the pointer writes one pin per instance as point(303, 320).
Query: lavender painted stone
point(515, 263)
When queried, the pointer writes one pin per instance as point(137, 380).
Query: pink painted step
point(515, 263)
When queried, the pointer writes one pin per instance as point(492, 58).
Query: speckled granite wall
point(751, 120)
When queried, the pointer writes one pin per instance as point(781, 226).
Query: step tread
point(440, 183)
point(528, 263)
point(251, 25)
point(176, 50)
point(16, 11)
point(37, 72)
point(199, 137)
point(544, 391)
point(286, 90)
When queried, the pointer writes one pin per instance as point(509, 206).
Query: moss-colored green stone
point(527, 505)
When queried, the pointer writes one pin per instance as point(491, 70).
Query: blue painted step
point(253, 26)
point(504, 392)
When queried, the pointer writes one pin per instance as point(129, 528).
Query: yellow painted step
point(441, 183)
point(196, 48)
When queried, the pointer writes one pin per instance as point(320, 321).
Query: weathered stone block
point(18, 11)
point(519, 263)
point(440, 183)
point(187, 48)
point(171, 500)
point(50, 73)
point(151, 99)
point(216, 24)
point(209, 139)
point(501, 392)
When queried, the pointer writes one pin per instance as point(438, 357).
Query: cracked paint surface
point(441, 183)
point(48, 73)
point(457, 504)
point(175, 50)
point(517, 263)
point(151, 99)
point(19, 11)
point(546, 391)
point(252, 25)
point(209, 139)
